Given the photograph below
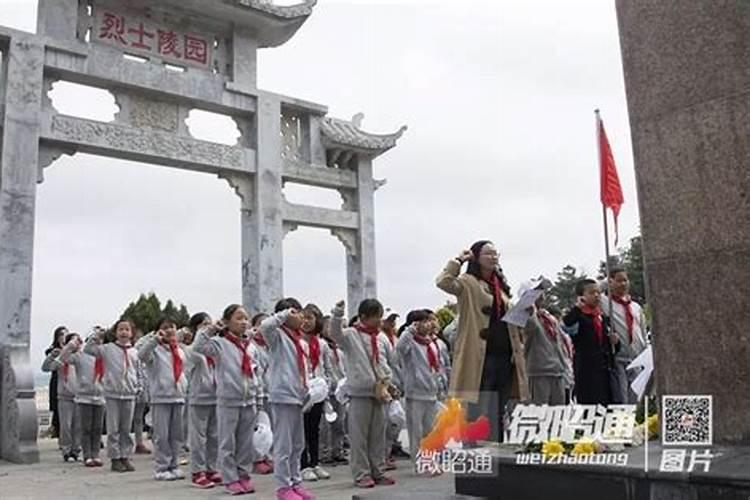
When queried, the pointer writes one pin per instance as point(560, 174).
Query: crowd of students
point(213, 387)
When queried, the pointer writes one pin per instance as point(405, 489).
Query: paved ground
point(53, 479)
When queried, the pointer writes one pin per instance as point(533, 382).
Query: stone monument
point(161, 59)
point(687, 76)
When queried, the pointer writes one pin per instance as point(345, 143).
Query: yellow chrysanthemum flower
point(653, 425)
point(584, 447)
point(552, 448)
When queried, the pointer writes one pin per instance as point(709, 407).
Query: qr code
point(686, 420)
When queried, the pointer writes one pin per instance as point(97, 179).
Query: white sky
point(498, 96)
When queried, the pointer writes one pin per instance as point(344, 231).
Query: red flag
point(611, 191)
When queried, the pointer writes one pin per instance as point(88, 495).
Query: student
point(544, 346)
point(69, 429)
point(89, 400)
point(317, 354)
point(568, 352)
point(58, 336)
point(367, 371)
point(593, 345)
point(629, 324)
point(444, 355)
point(116, 366)
point(287, 394)
point(204, 441)
point(235, 395)
point(332, 433)
point(389, 337)
point(141, 405)
point(421, 368)
point(262, 465)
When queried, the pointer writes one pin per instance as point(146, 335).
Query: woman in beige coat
point(485, 349)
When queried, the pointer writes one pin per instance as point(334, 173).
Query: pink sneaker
point(247, 484)
point(262, 467)
point(302, 492)
point(287, 493)
point(235, 488)
point(214, 476)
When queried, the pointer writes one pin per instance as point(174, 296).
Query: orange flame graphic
point(451, 423)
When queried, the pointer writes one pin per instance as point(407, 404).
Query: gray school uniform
point(391, 430)
point(366, 414)
point(204, 441)
point(120, 386)
point(235, 405)
point(421, 386)
point(332, 434)
point(621, 391)
point(545, 363)
point(167, 397)
point(286, 395)
point(70, 431)
point(261, 355)
point(89, 400)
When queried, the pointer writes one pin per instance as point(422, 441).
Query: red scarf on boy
point(247, 362)
point(629, 319)
point(296, 337)
point(373, 333)
point(596, 315)
point(174, 347)
point(548, 322)
point(432, 354)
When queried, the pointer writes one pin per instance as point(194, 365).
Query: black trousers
point(497, 377)
point(312, 436)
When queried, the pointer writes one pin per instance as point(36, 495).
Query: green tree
point(147, 310)
point(562, 294)
point(445, 316)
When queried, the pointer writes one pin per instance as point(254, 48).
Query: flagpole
point(606, 227)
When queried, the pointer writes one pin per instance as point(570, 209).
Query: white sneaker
point(309, 475)
point(177, 474)
point(163, 476)
point(321, 472)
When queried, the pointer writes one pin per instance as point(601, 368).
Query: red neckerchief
point(596, 315)
point(497, 293)
point(65, 371)
point(260, 340)
point(391, 338)
point(247, 362)
point(548, 322)
point(296, 337)
point(432, 354)
point(629, 319)
point(124, 349)
point(334, 349)
point(314, 342)
point(98, 369)
point(174, 348)
point(373, 333)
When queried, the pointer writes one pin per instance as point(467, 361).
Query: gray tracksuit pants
point(288, 443)
point(366, 436)
point(92, 421)
point(119, 420)
point(70, 426)
point(236, 427)
point(167, 433)
point(419, 419)
point(204, 440)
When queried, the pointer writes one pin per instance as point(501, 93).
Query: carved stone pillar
point(19, 168)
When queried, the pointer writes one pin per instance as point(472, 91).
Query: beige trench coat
point(469, 349)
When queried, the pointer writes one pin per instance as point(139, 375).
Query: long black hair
point(57, 334)
point(475, 270)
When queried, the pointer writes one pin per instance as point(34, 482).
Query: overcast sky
point(498, 96)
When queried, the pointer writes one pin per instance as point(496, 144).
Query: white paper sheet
point(518, 314)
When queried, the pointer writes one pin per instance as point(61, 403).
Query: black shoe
point(398, 452)
point(118, 466)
